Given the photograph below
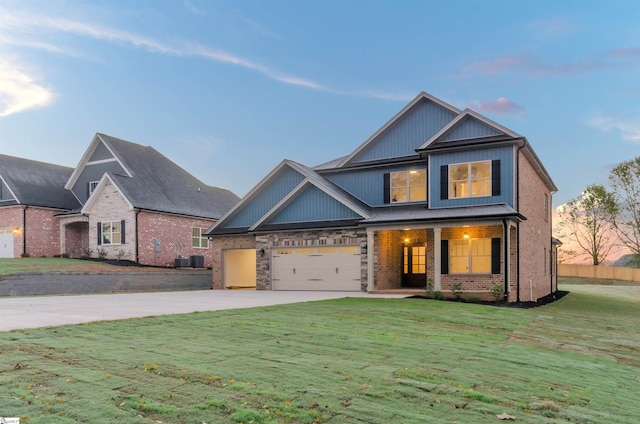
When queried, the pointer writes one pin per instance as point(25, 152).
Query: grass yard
point(342, 361)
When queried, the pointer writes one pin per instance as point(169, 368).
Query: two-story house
point(437, 197)
point(122, 201)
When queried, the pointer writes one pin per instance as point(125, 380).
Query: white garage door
point(6, 243)
point(316, 268)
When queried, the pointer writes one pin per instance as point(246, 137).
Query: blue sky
point(227, 89)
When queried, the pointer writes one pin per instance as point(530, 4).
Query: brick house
point(437, 197)
point(123, 201)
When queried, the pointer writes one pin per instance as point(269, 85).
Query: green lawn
point(364, 360)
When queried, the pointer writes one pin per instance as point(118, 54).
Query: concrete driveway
point(43, 311)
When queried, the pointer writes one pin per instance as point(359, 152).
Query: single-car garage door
point(316, 268)
point(6, 243)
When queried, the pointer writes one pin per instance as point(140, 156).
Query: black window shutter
point(122, 241)
point(444, 182)
point(495, 177)
point(387, 188)
point(495, 256)
point(444, 256)
point(99, 233)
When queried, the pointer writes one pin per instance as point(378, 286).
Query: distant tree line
point(593, 218)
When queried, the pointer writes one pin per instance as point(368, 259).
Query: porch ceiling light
point(465, 235)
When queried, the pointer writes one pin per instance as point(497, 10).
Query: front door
point(414, 270)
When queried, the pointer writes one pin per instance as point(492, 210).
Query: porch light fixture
point(406, 240)
point(262, 252)
point(465, 235)
point(17, 231)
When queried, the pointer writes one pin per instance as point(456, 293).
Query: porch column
point(63, 238)
point(436, 259)
point(370, 254)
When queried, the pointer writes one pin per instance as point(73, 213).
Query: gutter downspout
point(524, 143)
point(137, 240)
point(506, 259)
point(24, 230)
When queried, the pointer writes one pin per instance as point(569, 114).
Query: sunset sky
point(227, 89)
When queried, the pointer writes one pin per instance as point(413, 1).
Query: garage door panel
point(316, 268)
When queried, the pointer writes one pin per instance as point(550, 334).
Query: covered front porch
point(74, 235)
point(462, 258)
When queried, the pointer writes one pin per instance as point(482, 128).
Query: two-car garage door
point(316, 268)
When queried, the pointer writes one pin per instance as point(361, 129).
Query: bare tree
point(625, 183)
point(588, 221)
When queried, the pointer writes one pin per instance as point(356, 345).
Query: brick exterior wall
point(173, 231)
point(11, 217)
point(219, 245)
point(175, 235)
point(40, 231)
point(388, 266)
point(474, 283)
point(535, 233)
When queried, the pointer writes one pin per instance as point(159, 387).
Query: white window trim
point(92, 186)
point(201, 238)
point(469, 179)
point(111, 233)
point(470, 257)
point(408, 186)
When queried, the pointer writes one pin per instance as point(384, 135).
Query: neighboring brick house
point(436, 197)
point(31, 195)
point(133, 203)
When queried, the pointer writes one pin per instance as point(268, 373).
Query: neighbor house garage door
point(6, 243)
point(316, 268)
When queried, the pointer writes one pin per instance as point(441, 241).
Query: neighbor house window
point(472, 179)
point(111, 232)
point(198, 239)
point(92, 187)
point(546, 207)
point(408, 186)
point(470, 256)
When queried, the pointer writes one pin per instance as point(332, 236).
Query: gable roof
point(37, 183)
point(310, 178)
point(468, 115)
point(369, 142)
point(153, 182)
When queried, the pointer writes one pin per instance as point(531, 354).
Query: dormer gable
point(470, 127)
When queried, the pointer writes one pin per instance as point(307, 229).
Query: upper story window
point(408, 186)
point(92, 187)
point(472, 179)
point(198, 240)
point(546, 207)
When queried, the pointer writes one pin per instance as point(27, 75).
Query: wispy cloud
point(193, 7)
point(500, 106)
point(551, 28)
point(628, 128)
point(536, 66)
point(27, 24)
point(19, 90)
point(532, 65)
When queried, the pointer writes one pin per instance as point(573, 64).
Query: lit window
point(409, 186)
point(111, 232)
point(470, 256)
point(197, 238)
point(471, 179)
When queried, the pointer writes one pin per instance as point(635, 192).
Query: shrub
point(497, 291)
point(456, 288)
point(102, 253)
point(25, 255)
point(87, 253)
point(438, 295)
